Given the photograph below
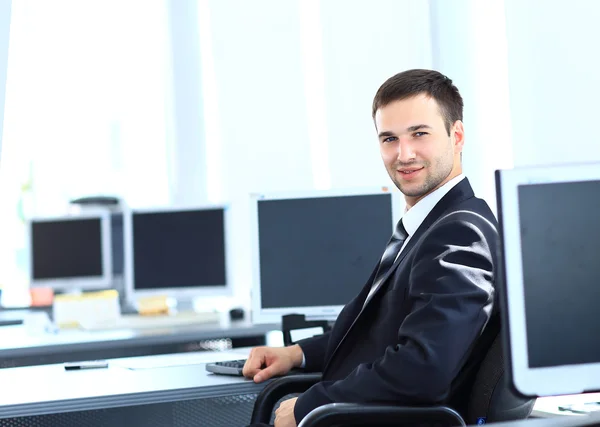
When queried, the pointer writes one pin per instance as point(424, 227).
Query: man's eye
point(390, 139)
point(420, 134)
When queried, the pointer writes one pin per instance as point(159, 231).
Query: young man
point(406, 336)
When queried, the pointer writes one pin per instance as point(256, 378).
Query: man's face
point(416, 149)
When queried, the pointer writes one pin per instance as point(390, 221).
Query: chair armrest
point(361, 414)
point(278, 388)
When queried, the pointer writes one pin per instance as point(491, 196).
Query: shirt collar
point(415, 216)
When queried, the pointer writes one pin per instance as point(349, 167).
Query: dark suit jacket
point(413, 337)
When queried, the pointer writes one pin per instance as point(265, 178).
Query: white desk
point(549, 406)
point(134, 391)
point(21, 347)
point(122, 395)
point(584, 421)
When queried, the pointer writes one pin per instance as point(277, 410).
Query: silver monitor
point(314, 251)
point(550, 225)
point(176, 252)
point(71, 253)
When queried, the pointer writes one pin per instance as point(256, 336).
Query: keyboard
point(228, 367)
point(149, 322)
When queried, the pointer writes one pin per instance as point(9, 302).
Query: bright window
point(86, 109)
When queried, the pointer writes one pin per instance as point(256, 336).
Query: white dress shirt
point(414, 217)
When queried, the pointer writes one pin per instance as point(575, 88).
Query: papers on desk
point(580, 408)
point(179, 359)
point(573, 404)
point(70, 311)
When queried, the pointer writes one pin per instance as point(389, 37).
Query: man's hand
point(284, 415)
point(266, 362)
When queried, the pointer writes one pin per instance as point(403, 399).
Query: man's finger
point(252, 366)
point(266, 373)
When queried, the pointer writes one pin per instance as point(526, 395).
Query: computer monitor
point(176, 252)
point(314, 251)
point(550, 282)
point(71, 253)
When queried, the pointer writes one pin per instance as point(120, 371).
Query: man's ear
point(458, 136)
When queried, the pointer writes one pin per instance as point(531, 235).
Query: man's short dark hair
point(415, 82)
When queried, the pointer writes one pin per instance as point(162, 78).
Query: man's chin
point(414, 195)
point(411, 190)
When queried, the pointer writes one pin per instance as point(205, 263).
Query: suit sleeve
point(451, 294)
point(314, 349)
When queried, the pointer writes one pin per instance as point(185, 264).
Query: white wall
point(469, 46)
point(554, 80)
point(187, 156)
point(256, 47)
point(261, 118)
point(292, 83)
point(4, 32)
point(365, 43)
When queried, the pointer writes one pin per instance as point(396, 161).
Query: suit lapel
point(460, 192)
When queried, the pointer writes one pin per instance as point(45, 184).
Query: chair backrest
point(492, 399)
point(481, 393)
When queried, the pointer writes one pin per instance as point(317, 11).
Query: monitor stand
point(184, 305)
point(74, 291)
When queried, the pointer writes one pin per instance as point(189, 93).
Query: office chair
point(482, 395)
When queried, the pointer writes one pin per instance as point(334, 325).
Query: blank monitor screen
point(178, 249)
point(66, 248)
point(320, 251)
point(560, 241)
point(550, 286)
point(71, 253)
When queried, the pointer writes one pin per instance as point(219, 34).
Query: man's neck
point(411, 201)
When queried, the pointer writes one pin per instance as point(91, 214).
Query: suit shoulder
point(473, 211)
point(466, 236)
point(467, 222)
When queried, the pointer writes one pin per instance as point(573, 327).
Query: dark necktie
point(389, 255)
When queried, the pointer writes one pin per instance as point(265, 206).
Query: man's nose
point(406, 152)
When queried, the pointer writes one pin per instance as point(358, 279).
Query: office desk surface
point(48, 389)
point(583, 421)
point(20, 347)
point(549, 406)
point(18, 338)
point(133, 382)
